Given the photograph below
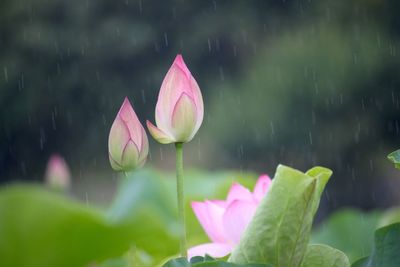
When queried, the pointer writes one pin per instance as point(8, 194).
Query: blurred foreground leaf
point(324, 256)
point(39, 228)
point(280, 230)
point(349, 230)
point(386, 249)
point(395, 158)
point(183, 262)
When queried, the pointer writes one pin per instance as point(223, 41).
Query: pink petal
point(236, 218)
point(220, 203)
point(215, 250)
point(175, 83)
point(210, 218)
point(184, 118)
point(198, 100)
point(144, 149)
point(239, 192)
point(158, 134)
point(181, 64)
point(118, 138)
point(261, 187)
point(194, 88)
point(57, 172)
point(128, 116)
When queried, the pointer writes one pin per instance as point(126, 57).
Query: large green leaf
point(395, 158)
point(280, 229)
point(39, 228)
point(386, 249)
point(324, 256)
point(349, 230)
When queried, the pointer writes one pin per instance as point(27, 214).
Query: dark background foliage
point(296, 82)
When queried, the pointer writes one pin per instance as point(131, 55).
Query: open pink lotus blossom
point(224, 221)
point(57, 173)
point(179, 109)
point(128, 146)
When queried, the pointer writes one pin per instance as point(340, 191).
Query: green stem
point(180, 195)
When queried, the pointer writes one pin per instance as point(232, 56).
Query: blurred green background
point(302, 83)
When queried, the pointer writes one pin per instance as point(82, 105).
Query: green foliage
point(52, 230)
point(42, 229)
point(324, 256)
point(395, 158)
point(349, 230)
point(280, 229)
point(386, 249)
point(207, 262)
point(390, 216)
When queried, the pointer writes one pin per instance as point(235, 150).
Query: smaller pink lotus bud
point(128, 146)
point(179, 109)
point(57, 173)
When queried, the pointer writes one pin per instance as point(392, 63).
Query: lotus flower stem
point(180, 197)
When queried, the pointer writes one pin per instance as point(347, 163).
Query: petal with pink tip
point(158, 134)
point(198, 100)
point(184, 119)
point(129, 117)
point(118, 138)
point(144, 149)
point(261, 187)
point(236, 218)
point(239, 192)
point(210, 218)
point(175, 83)
point(215, 250)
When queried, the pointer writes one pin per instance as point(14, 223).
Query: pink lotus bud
point(57, 173)
point(128, 146)
point(224, 221)
point(179, 109)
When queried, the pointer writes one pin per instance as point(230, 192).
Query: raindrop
point(42, 139)
point(53, 121)
point(143, 96)
point(5, 70)
point(174, 12)
point(140, 7)
point(221, 73)
point(310, 137)
point(166, 39)
point(209, 45)
point(271, 124)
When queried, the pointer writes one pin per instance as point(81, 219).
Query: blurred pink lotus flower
point(57, 173)
point(225, 221)
point(179, 109)
point(128, 146)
